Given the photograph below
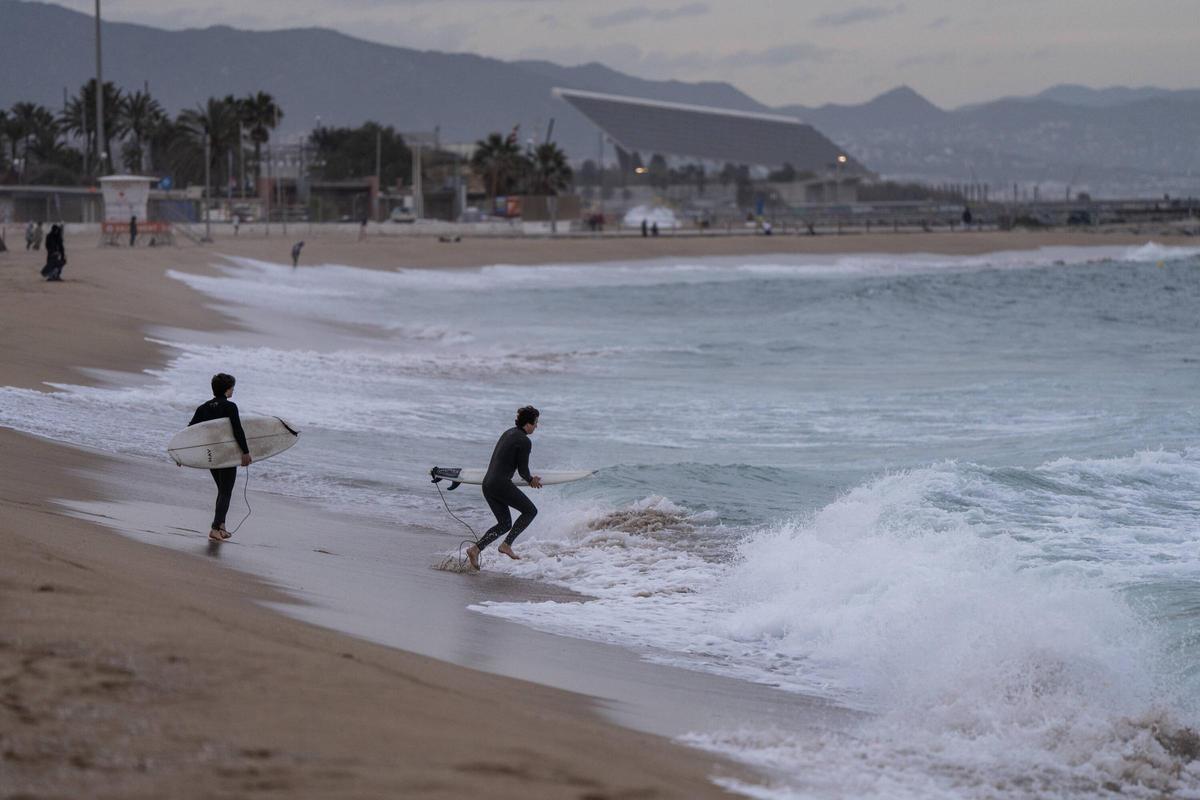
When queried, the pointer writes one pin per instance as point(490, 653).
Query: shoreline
point(100, 322)
point(133, 671)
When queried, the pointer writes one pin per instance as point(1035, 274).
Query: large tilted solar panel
point(709, 134)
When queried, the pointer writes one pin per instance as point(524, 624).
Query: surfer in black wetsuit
point(511, 455)
point(221, 407)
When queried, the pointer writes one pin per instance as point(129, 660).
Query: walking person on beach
point(219, 407)
point(296, 248)
point(510, 455)
point(29, 235)
point(56, 255)
point(37, 237)
point(132, 230)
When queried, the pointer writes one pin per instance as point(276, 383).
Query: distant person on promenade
point(132, 230)
point(654, 228)
point(966, 217)
point(56, 255)
point(510, 455)
point(645, 229)
point(38, 233)
point(296, 248)
point(220, 407)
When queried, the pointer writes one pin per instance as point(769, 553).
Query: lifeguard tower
point(126, 197)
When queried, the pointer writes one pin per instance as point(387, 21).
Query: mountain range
point(1110, 141)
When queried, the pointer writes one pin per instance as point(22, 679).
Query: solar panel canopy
point(710, 134)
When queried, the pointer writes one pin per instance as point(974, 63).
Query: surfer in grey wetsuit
point(511, 455)
point(221, 407)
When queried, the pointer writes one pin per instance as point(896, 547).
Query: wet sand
point(135, 671)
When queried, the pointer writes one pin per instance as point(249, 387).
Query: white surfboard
point(457, 475)
point(210, 445)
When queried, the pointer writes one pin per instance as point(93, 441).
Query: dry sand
point(134, 671)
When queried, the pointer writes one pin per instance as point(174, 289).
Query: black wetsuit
point(219, 408)
point(510, 456)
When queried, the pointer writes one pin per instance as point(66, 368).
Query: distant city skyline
point(953, 52)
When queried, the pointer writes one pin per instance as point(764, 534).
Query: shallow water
point(960, 494)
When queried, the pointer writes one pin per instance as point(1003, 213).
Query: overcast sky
point(778, 51)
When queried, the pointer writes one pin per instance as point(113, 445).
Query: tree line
point(40, 146)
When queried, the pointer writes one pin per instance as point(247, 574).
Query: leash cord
point(246, 497)
point(474, 536)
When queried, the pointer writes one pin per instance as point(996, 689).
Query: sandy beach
point(136, 671)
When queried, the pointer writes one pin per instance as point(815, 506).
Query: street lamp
point(837, 183)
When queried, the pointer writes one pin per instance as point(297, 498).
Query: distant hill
point(317, 72)
point(1118, 140)
point(1107, 141)
point(900, 106)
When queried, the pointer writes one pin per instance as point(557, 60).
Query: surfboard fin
point(438, 474)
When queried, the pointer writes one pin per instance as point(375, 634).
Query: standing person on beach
point(220, 407)
point(56, 255)
point(37, 237)
point(510, 455)
point(132, 230)
point(29, 235)
point(296, 248)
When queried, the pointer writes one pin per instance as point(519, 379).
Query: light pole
point(378, 169)
point(418, 186)
point(207, 185)
point(100, 100)
point(837, 183)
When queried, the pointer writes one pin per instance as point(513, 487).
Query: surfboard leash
point(246, 497)
point(474, 536)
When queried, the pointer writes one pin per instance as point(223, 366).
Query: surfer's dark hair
point(222, 383)
point(527, 416)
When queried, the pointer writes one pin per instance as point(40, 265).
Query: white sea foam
point(997, 655)
point(266, 283)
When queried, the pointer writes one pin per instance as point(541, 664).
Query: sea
point(957, 496)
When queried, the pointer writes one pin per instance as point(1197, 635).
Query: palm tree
point(260, 114)
point(9, 133)
point(25, 118)
point(53, 161)
point(140, 114)
point(79, 118)
point(27, 122)
point(175, 148)
point(497, 159)
point(549, 172)
point(216, 121)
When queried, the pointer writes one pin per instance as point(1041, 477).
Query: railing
point(180, 223)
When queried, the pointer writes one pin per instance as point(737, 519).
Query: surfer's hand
point(536, 483)
point(246, 459)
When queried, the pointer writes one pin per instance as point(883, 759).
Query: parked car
point(400, 214)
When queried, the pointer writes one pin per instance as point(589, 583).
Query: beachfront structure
point(718, 136)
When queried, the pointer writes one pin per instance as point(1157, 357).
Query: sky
point(811, 52)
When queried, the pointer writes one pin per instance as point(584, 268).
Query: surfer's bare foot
point(473, 556)
point(218, 534)
point(508, 551)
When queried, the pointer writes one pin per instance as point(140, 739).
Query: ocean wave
point(972, 611)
